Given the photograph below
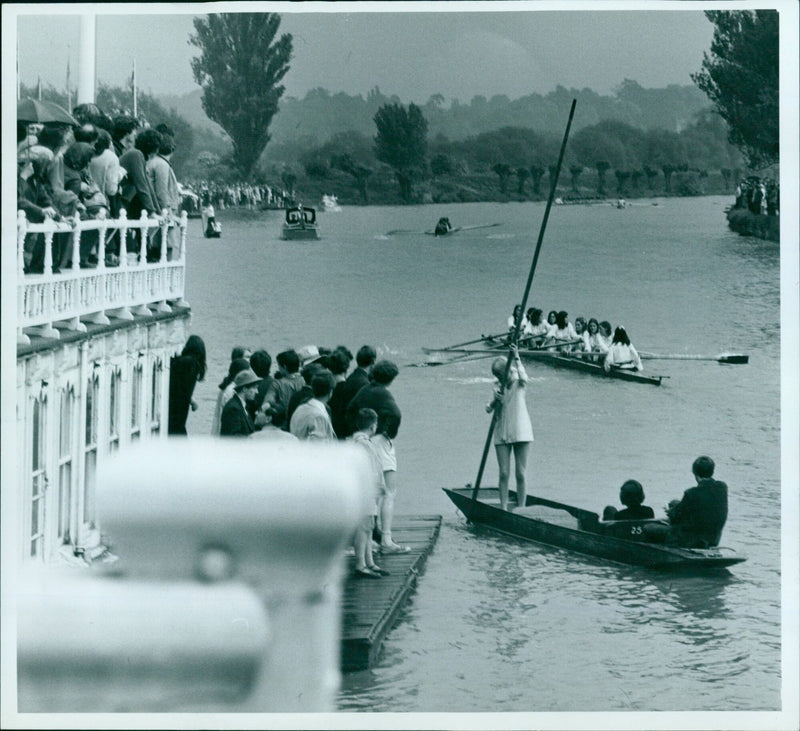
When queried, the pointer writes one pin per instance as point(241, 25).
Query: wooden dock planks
point(370, 607)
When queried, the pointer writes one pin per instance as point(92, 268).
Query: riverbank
point(746, 223)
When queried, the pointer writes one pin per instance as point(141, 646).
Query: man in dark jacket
point(235, 421)
point(345, 391)
point(696, 521)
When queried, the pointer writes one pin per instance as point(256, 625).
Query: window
point(65, 446)
point(114, 398)
point(136, 401)
point(38, 475)
point(155, 397)
point(90, 448)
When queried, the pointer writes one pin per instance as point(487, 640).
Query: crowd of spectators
point(759, 196)
point(253, 196)
point(96, 170)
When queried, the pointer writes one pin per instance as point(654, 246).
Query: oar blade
point(733, 358)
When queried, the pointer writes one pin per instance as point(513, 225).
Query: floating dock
point(370, 607)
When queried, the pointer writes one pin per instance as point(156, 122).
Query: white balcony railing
point(70, 297)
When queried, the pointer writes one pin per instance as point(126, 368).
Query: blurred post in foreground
point(226, 593)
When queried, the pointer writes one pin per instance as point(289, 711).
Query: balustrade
point(119, 286)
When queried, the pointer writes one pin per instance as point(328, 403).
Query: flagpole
point(39, 86)
point(69, 93)
point(133, 83)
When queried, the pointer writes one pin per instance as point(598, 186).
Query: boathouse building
point(92, 375)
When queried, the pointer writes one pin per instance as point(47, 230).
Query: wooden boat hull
point(290, 233)
point(583, 365)
point(587, 542)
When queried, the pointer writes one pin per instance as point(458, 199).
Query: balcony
point(67, 299)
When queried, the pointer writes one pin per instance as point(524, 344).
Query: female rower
point(597, 343)
point(583, 336)
point(564, 332)
point(622, 354)
point(551, 321)
point(535, 328)
point(605, 333)
point(513, 430)
point(512, 320)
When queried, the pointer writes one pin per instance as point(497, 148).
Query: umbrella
point(33, 110)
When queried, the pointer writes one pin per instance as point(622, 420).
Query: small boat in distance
point(330, 203)
point(300, 224)
point(565, 526)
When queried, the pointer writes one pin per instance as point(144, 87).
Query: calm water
point(497, 624)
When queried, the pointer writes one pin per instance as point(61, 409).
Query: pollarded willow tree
point(740, 76)
point(240, 68)
point(402, 142)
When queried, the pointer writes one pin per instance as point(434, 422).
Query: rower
point(442, 227)
point(622, 354)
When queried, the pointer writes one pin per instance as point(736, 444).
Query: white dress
point(513, 423)
point(622, 356)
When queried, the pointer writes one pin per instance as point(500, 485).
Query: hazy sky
point(412, 54)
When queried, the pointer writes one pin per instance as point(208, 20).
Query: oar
point(524, 352)
point(469, 342)
point(732, 358)
point(524, 302)
point(461, 358)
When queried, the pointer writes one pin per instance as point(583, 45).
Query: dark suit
point(697, 520)
point(235, 421)
point(377, 397)
point(342, 395)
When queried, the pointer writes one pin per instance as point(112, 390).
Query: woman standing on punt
point(513, 430)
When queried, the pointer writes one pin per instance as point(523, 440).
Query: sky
point(507, 48)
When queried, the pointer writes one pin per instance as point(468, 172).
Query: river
point(497, 624)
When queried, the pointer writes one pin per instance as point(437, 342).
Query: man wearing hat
point(235, 421)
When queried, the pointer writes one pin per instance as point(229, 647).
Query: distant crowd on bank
point(759, 195)
point(253, 196)
point(95, 170)
point(316, 395)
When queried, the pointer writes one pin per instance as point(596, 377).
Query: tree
point(240, 68)
point(575, 172)
point(602, 167)
point(537, 173)
point(441, 164)
point(504, 173)
point(522, 175)
point(401, 142)
point(360, 173)
point(740, 76)
point(622, 178)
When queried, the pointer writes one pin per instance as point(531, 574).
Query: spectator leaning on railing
point(165, 184)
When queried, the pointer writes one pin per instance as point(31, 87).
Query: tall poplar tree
point(740, 76)
point(402, 142)
point(240, 68)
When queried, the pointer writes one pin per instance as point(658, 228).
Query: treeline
point(609, 157)
point(320, 114)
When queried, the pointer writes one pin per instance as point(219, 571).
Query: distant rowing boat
point(432, 232)
point(565, 526)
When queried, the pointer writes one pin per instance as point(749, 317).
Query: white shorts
point(384, 448)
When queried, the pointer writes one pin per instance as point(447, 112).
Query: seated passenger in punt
point(631, 495)
point(622, 354)
point(697, 520)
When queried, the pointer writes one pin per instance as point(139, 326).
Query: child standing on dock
point(366, 568)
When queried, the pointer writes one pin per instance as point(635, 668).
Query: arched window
point(156, 391)
point(90, 448)
point(66, 444)
point(38, 478)
point(136, 401)
point(114, 408)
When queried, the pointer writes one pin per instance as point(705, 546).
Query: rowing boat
point(576, 362)
point(565, 526)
